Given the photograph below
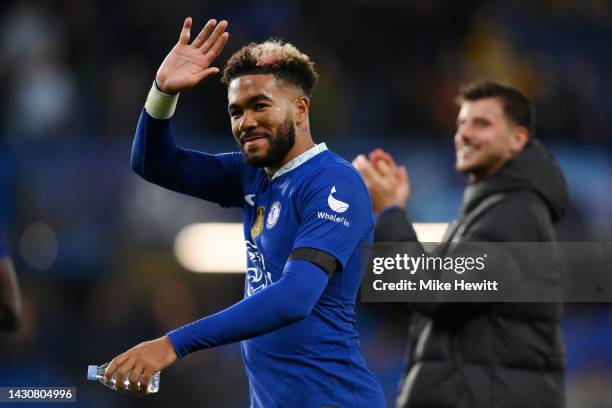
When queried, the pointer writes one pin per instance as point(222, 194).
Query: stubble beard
point(278, 147)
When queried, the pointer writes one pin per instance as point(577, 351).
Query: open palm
point(187, 65)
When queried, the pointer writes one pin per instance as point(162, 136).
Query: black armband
point(323, 260)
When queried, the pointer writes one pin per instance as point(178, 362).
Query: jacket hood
point(532, 169)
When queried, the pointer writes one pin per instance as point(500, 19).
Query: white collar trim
point(301, 159)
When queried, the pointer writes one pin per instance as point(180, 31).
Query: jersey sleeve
point(286, 301)
point(212, 177)
point(335, 213)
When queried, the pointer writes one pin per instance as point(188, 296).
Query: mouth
point(253, 143)
point(467, 149)
point(251, 138)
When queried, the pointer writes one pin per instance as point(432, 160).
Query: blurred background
point(93, 243)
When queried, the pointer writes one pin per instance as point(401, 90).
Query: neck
point(303, 142)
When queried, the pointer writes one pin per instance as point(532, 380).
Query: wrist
point(157, 85)
point(387, 209)
point(160, 105)
point(171, 354)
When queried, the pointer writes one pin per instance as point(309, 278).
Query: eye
point(235, 114)
point(260, 106)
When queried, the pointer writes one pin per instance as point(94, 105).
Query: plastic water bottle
point(96, 373)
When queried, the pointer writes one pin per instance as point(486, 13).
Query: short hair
point(516, 105)
point(276, 57)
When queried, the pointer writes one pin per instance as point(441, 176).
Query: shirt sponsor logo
point(323, 215)
point(335, 204)
point(273, 215)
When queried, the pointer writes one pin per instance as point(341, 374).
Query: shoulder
point(331, 166)
point(331, 171)
point(517, 215)
point(525, 205)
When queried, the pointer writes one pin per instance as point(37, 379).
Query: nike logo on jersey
point(250, 199)
point(336, 205)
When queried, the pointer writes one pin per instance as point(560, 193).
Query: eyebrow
point(477, 119)
point(251, 100)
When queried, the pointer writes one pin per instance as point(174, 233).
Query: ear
point(520, 137)
point(301, 108)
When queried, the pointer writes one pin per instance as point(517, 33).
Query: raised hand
point(187, 65)
point(387, 182)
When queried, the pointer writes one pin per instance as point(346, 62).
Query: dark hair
point(275, 57)
point(516, 105)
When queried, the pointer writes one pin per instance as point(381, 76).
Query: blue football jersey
point(318, 200)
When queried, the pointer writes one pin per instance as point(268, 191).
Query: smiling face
point(261, 111)
point(485, 138)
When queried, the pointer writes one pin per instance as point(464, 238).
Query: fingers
point(213, 54)
point(114, 365)
point(134, 378)
point(214, 37)
point(217, 47)
point(208, 72)
point(404, 178)
point(369, 173)
point(199, 40)
point(402, 175)
point(143, 387)
point(384, 168)
point(380, 154)
point(185, 32)
point(122, 373)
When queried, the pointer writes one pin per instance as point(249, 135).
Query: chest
point(272, 218)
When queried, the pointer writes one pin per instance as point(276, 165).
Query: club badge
point(273, 215)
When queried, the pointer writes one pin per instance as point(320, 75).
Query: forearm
point(154, 152)
point(154, 149)
point(10, 299)
point(286, 301)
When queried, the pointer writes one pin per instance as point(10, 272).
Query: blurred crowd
point(93, 243)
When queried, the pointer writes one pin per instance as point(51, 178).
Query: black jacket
point(490, 354)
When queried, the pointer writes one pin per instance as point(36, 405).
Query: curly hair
point(276, 57)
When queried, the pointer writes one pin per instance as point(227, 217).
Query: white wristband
point(160, 105)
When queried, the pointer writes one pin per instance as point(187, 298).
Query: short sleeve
point(335, 213)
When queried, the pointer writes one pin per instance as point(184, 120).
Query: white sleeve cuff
point(160, 105)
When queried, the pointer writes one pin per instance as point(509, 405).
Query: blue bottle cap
point(92, 373)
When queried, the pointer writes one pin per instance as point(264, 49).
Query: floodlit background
point(98, 250)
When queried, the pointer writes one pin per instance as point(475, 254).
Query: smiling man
point(482, 355)
point(306, 215)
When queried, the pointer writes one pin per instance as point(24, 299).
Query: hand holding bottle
point(139, 364)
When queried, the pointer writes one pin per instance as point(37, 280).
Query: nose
point(247, 122)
